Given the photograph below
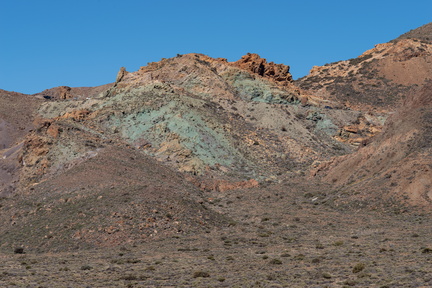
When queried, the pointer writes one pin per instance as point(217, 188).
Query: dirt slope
point(116, 196)
point(16, 120)
point(16, 116)
point(397, 164)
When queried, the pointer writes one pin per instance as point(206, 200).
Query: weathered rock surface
point(255, 64)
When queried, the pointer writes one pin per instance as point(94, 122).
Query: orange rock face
point(53, 131)
point(77, 115)
point(254, 63)
point(65, 92)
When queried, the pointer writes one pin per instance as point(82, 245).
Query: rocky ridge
point(375, 81)
point(423, 33)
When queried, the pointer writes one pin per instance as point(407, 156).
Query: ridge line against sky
point(49, 43)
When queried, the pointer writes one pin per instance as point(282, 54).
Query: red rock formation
point(77, 115)
point(65, 92)
point(254, 63)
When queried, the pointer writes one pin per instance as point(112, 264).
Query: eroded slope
point(398, 163)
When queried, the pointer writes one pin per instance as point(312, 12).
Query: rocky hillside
point(198, 115)
point(16, 121)
point(391, 80)
point(379, 83)
point(423, 33)
point(375, 81)
point(397, 164)
point(78, 164)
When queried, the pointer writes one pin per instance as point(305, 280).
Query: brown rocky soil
point(286, 235)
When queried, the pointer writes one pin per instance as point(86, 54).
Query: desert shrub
point(19, 250)
point(203, 274)
point(426, 250)
point(360, 59)
point(358, 267)
point(86, 267)
point(275, 262)
point(326, 275)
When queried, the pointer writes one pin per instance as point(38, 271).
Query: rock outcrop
point(65, 92)
point(74, 93)
point(254, 63)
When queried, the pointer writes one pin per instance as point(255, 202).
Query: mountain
point(223, 125)
point(198, 115)
point(195, 167)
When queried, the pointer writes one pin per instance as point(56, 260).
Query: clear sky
point(48, 43)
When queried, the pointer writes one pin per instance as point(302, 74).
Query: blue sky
point(83, 43)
